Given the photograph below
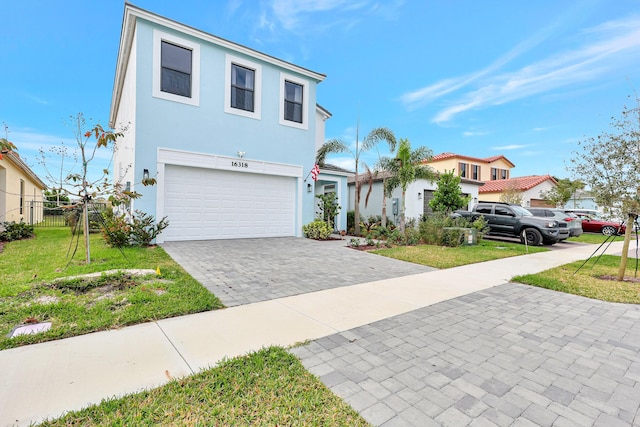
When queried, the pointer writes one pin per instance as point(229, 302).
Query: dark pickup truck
point(505, 219)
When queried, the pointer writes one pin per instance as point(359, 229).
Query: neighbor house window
point(176, 63)
point(504, 174)
point(176, 69)
point(293, 101)
point(242, 87)
point(21, 197)
point(475, 172)
point(462, 170)
point(494, 174)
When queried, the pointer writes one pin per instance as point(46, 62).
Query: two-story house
point(488, 169)
point(228, 132)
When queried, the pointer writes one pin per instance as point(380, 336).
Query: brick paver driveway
point(243, 271)
point(512, 355)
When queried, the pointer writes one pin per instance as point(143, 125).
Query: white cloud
point(609, 46)
point(509, 147)
point(473, 133)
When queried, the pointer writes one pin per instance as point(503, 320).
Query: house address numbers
point(237, 164)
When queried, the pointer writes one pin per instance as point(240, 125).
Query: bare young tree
point(609, 165)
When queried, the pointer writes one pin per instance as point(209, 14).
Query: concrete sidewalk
point(48, 379)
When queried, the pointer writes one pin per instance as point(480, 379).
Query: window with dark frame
point(293, 101)
point(176, 69)
point(21, 197)
point(242, 87)
point(504, 173)
point(462, 170)
point(475, 172)
point(494, 174)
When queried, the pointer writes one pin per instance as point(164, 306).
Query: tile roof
point(445, 156)
point(522, 183)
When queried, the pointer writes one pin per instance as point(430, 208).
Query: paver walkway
point(512, 355)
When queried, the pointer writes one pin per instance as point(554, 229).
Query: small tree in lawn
point(448, 195)
point(564, 190)
point(78, 181)
point(512, 195)
point(329, 208)
point(610, 165)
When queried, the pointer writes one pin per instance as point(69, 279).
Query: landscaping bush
point(436, 229)
point(15, 231)
point(351, 222)
point(318, 230)
point(141, 230)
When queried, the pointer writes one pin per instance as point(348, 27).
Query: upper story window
point(294, 102)
point(499, 174)
point(475, 172)
point(462, 170)
point(243, 87)
point(176, 69)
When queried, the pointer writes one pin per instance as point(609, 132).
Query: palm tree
point(338, 146)
point(407, 166)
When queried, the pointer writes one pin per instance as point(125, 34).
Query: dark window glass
point(176, 70)
point(242, 87)
point(484, 209)
point(494, 174)
point(476, 172)
point(504, 174)
point(463, 170)
point(292, 102)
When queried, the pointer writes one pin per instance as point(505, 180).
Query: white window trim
point(158, 38)
point(257, 91)
point(305, 102)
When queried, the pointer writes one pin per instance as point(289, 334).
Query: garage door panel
point(214, 204)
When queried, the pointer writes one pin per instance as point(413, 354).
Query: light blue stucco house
point(229, 133)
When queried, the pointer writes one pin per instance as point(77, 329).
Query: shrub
point(141, 230)
point(318, 230)
point(15, 231)
point(144, 228)
point(351, 221)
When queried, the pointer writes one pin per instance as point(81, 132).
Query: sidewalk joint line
point(175, 348)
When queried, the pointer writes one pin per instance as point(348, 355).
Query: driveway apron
point(244, 271)
point(509, 355)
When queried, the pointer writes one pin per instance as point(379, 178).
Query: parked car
point(568, 225)
point(592, 223)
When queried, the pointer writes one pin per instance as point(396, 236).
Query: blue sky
point(524, 79)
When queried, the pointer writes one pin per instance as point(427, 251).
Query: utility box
point(468, 236)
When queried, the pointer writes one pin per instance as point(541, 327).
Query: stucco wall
point(10, 190)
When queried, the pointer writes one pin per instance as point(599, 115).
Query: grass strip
point(446, 257)
point(269, 387)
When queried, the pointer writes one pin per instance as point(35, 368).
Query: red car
point(593, 224)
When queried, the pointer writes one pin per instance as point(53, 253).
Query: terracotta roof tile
point(522, 183)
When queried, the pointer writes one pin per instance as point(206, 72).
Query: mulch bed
point(625, 279)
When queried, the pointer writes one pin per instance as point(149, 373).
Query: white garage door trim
point(224, 163)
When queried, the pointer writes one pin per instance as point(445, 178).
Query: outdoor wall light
point(241, 154)
point(145, 174)
point(419, 196)
point(308, 188)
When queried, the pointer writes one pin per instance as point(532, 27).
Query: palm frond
point(331, 146)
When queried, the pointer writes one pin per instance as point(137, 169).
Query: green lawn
point(589, 280)
point(265, 388)
point(29, 293)
point(445, 257)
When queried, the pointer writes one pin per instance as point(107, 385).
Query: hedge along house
point(228, 132)
point(418, 195)
point(21, 191)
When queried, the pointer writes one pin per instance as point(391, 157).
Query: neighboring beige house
point(488, 169)
point(531, 188)
point(19, 187)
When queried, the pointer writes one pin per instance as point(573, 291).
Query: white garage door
point(206, 204)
